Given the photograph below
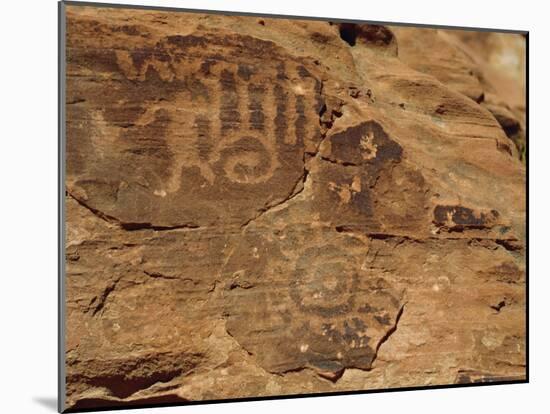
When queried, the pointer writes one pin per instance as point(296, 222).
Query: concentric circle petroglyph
point(323, 283)
point(318, 303)
point(248, 161)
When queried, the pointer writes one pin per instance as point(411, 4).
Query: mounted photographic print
point(258, 207)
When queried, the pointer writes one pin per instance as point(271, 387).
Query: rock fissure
point(390, 332)
point(128, 226)
point(102, 300)
point(299, 186)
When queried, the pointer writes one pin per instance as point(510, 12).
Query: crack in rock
point(128, 226)
point(326, 122)
point(104, 296)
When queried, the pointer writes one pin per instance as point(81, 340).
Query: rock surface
point(260, 206)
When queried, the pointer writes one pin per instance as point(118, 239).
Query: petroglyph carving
point(345, 307)
point(240, 116)
point(259, 207)
point(459, 218)
point(239, 120)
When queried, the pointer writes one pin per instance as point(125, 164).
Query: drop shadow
point(48, 402)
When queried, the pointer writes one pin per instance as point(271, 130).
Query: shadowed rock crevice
point(126, 225)
point(371, 35)
point(390, 332)
point(104, 403)
point(124, 378)
point(122, 386)
point(98, 303)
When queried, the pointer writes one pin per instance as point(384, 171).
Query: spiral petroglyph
point(234, 135)
point(237, 123)
point(322, 283)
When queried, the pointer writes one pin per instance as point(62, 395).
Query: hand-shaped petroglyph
point(231, 119)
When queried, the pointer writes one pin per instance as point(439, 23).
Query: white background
point(28, 227)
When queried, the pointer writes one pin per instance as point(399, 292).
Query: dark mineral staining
point(140, 56)
point(197, 88)
point(359, 324)
point(245, 72)
point(229, 111)
point(301, 120)
point(354, 92)
point(303, 72)
point(319, 37)
point(441, 109)
point(281, 74)
point(127, 29)
point(459, 217)
point(339, 347)
point(352, 337)
point(383, 319)
point(281, 108)
point(185, 42)
point(366, 143)
point(319, 100)
point(377, 34)
point(160, 54)
point(204, 143)
point(362, 202)
point(206, 66)
point(366, 308)
point(506, 272)
point(255, 47)
point(255, 98)
point(370, 148)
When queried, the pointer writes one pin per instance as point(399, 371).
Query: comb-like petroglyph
point(264, 206)
point(234, 127)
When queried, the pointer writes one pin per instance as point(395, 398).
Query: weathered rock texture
point(261, 206)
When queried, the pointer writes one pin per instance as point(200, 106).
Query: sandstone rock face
point(260, 207)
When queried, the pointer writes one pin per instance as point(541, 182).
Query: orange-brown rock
point(485, 66)
point(260, 207)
